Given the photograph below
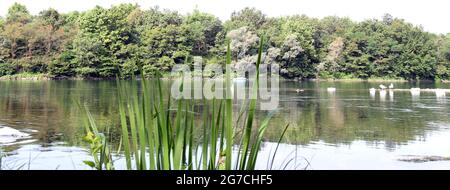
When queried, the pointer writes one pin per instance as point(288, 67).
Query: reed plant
point(158, 134)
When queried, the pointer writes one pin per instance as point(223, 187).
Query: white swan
point(415, 91)
point(391, 86)
point(331, 89)
point(382, 87)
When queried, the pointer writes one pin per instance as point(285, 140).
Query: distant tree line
point(124, 39)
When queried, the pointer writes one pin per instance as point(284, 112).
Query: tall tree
point(18, 13)
point(249, 17)
point(203, 29)
point(103, 32)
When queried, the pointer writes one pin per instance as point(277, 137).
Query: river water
point(350, 128)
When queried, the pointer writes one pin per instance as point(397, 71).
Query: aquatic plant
point(157, 137)
point(98, 146)
point(1, 158)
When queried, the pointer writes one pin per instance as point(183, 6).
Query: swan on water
point(391, 86)
point(415, 91)
point(382, 87)
point(331, 89)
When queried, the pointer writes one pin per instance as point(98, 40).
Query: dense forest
point(101, 43)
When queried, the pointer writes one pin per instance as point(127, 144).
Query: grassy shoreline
point(26, 77)
point(46, 77)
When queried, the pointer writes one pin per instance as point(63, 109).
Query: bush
point(150, 70)
point(86, 72)
point(129, 68)
point(165, 63)
point(64, 66)
point(7, 69)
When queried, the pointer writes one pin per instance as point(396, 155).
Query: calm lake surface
point(347, 129)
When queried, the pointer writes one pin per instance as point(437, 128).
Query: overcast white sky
point(433, 15)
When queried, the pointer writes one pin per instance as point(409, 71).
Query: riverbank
point(43, 77)
point(26, 76)
point(366, 80)
point(40, 77)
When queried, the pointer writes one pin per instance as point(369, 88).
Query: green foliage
point(123, 39)
point(443, 68)
point(103, 34)
point(63, 66)
point(393, 49)
point(6, 69)
point(168, 41)
point(249, 17)
point(203, 29)
point(18, 13)
point(52, 18)
point(98, 146)
point(2, 22)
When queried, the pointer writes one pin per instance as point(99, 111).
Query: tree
point(125, 39)
point(203, 29)
point(328, 30)
point(294, 60)
point(103, 32)
point(330, 65)
point(242, 42)
point(247, 17)
point(18, 13)
point(2, 22)
point(64, 65)
point(14, 39)
point(169, 41)
point(52, 18)
point(143, 20)
point(388, 19)
point(91, 55)
point(296, 39)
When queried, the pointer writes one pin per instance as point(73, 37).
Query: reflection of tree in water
point(48, 108)
point(341, 121)
point(335, 113)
